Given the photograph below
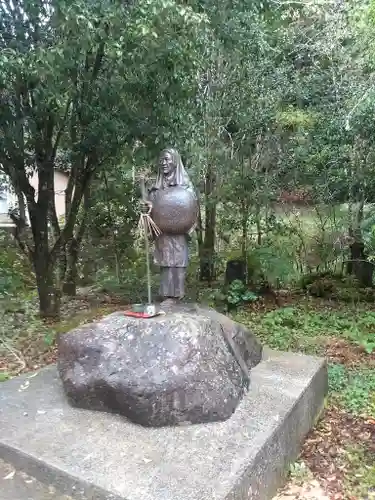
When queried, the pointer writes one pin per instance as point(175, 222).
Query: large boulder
point(189, 365)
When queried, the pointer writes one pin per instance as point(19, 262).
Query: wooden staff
point(148, 228)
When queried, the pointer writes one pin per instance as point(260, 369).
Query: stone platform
point(104, 457)
point(16, 485)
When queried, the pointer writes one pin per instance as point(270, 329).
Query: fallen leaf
point(10, 475)
point(24, 386)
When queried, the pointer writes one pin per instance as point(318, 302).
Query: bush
point(272, 262)
point(15, 270)
point(237, 294)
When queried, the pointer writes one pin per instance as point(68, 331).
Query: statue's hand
point(146, 207)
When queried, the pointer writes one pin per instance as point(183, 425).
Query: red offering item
point(143, 315)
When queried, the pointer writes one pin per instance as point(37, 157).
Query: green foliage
point(324, 286)
point(15, 273)
point(233, 85)
point(283, 329)
point(4, 376)
point(294, 328)
point(306, 330)
point(336, 286)
point(362, 332)
point(300, 473)
point(19, 321)
point(227, 298)
point(295, 118)
point(272, 261)
point(368, 233)
point(11, 275)
point(337, 377)
point(17, 311)
point(353, 388)
point(132, 286)
point(361, 484)
point(238, 293)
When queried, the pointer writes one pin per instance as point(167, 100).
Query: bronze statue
point(174, 209)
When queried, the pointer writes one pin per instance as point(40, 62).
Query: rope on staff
point(148, 226)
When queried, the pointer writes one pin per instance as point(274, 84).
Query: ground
point(338, 457)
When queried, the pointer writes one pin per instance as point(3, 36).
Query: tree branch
point(20, 226)
point(365, 95)
point(60, 130)
point(71, 217)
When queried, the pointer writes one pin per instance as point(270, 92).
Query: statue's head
point(171, 171)
point(167, 161)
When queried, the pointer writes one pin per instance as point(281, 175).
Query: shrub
point(15, 271)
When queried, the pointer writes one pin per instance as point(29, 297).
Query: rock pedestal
point(190, 365)
point(91, 455)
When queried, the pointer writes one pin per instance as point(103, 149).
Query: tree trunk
point(258, 226)
point(245, 237)
point(359, 265)
point(71, 277)
point(73, 249)
point(199, 231)
point(244, 224)
point(49, 296)
point(244, 219)
point(207, 256)
point(21, 205)
point(44, 263)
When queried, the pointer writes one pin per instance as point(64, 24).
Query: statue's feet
point(169, 302)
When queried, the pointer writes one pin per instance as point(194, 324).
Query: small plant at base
point(300, 473)
point(4, 376)
point(238, 294)
point(50, 338)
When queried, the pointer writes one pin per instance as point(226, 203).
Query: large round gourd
point(175, 210)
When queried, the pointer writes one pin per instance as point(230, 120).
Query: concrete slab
point(105, 457)
point(16, 485)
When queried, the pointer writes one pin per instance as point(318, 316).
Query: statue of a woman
point(174, 203)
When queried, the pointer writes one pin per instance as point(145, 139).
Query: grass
point(302, 328)
point(353, 389)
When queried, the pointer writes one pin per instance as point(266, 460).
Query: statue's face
point(166, 163)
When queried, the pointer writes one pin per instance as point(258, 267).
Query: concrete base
point(16, 485)
point(105, 457)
